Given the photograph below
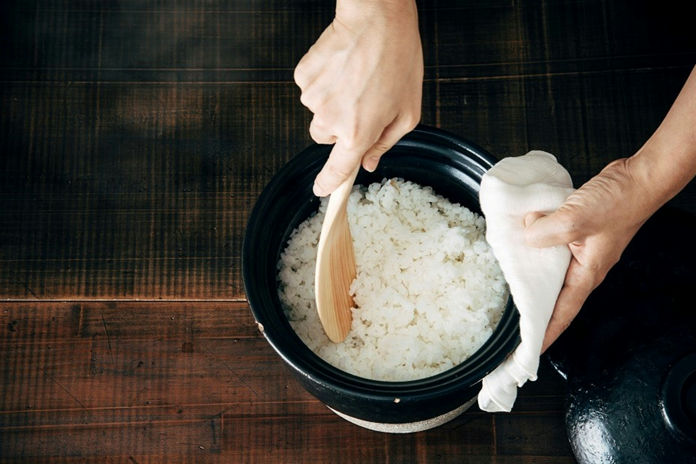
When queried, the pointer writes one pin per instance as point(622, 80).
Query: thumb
point(340, 165)
point(547, 230)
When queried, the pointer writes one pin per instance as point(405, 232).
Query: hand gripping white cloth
point(511, 189)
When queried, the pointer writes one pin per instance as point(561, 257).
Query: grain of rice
point(428, 290)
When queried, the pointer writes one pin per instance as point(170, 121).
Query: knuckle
point(352, 143)
point(299, 76)
point(320, 131)
point(308, 99)
point(381, 147)
point(351, 131)
point(301, 73)
point(316, 123)
point(359, 142)
point(315, 134)
point(569, 224)
point(620, 164)
point(411, 121)
point(352, 137)
point(320, 137)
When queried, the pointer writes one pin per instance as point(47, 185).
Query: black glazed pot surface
point(426, 156)
point(630, 355)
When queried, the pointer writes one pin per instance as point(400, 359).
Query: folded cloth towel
point(511, 189)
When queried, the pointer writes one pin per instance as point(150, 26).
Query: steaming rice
point(428, 289)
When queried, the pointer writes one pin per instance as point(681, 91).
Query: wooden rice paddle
point(335, 269)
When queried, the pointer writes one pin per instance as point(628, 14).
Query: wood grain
point(197, 381)
point(135, 138)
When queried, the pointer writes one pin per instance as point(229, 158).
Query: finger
point(531, 218)
point(302, 75)
point(320, 133)
point(313, 62)
point(307, 70)
point(546, 230)
point(341, 163)
point(391, 134)
point(314, 96)
point(578, 286)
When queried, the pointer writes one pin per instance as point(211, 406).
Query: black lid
point(630, 355)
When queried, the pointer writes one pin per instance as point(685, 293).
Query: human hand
point(363, 80)
point(597, 222)
point(599, 219)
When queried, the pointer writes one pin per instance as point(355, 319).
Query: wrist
point(662, 168)
point(355, 11)
point(667, 161)
point(642, 168)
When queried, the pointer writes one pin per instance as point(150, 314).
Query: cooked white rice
point(428, 289)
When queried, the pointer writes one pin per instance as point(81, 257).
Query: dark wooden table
point(134, 139)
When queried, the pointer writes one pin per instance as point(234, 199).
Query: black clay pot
point(630, 355)
point(427, 156)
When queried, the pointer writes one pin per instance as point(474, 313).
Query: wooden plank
point(154, 320)
point(147, 200)
point(188, 381)
point(213, 43)
point(281, 432)
point(531, 434)
point(203, 458)
point(567, 36)
point(138, 354)
point(280, 440)
point(477, 42)
point(174, 437)
point(536, 424)
point(501, 132)
point(116, 41)
point(585, 119)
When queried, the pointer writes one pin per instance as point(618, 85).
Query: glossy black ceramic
point(630, 355)
point(427, 156)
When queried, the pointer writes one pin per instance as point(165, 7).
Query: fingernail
point(371, 164)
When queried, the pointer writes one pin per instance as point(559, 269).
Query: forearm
point(667, 161)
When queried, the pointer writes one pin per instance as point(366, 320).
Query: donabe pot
point(427, 156)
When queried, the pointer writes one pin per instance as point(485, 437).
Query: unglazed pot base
point(408, 427)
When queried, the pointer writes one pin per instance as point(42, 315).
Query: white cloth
point(511, 189)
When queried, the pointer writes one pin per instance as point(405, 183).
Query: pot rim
point(307, 364)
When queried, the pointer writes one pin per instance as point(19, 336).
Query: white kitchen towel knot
point(510, 190)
